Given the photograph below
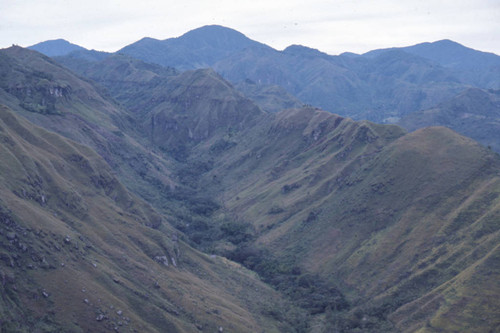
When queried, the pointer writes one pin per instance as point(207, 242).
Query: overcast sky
point(333, 26)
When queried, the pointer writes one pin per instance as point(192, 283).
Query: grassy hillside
point(386, 218)
point(85, 114)
point(362, 227)
point(80, 253)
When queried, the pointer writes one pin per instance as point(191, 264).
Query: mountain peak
point(198, 48)
point(301, 50)
point(452, 54)
point(213, 28)
point(215, 36)
point(56, 47)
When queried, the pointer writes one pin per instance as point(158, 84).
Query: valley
point(182, 186)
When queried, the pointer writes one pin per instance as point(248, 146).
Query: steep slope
point(42, 86)
point(199, 48)
point(176, 110)
point(474, 113)
point(56, 47)
point(53, 97)
point(390, 220)
point(199, 105)
point(79, 252)
point(129, 81)
point(270, 98)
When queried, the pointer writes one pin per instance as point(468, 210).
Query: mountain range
point(143, 191)
point(383, 85)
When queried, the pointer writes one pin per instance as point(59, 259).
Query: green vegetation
point(184, 207)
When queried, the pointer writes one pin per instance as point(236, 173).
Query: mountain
point(379, 89)
point(80, 253)
point(480, 68)
point(126, 79)
point(345, 225)
point(382, 85)
point(321, 199)
point(174, 109)
point(54, 98)
point(270, 98)
point(56, 47)
point(199, 48)
point(393, 220)
point(474, 113)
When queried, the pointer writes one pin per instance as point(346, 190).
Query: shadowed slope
point(51, 96)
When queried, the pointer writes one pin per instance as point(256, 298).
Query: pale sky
point(333, 26)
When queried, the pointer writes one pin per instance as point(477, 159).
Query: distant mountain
point(56, 47)
point(449, 54)
point(380, 89)
point(382, 85)
point(199, 48)
point(480, 68)
point(474, 113)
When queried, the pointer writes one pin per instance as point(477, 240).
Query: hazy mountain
point(56, 47)
point(381, 85)
point(474, 113)
point(199, 48)
point(381, 89)
point(479, 68)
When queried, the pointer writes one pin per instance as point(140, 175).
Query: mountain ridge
point(338, 84)
point(56, 47)
point(354, 224)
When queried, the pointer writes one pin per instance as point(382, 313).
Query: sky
point(333, 26)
